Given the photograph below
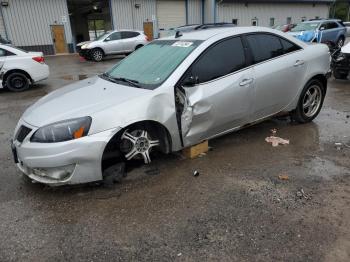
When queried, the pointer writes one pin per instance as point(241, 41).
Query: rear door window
point(264, 47)
point(219, 60)
point(288, 46)
point(126, 34)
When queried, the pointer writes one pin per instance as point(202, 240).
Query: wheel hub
point(142, 144)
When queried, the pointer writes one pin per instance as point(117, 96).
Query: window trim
point(246, 55)
point(268, 33)
point(247, 52)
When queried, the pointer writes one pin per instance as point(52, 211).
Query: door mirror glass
point(190, 81)
point(322, 28)
point(107, 39)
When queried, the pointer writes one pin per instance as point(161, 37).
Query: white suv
point(110, 43)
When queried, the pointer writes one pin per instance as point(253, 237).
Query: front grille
point(22, 133)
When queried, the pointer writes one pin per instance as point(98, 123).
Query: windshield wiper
point(108, 77)
point(132, 82)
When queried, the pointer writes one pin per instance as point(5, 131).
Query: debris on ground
point(338, 145)
point(275, 140)
point(179, 255)
point(195, 173)
point(283, 177)
point(301, 194)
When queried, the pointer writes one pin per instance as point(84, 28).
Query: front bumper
point(84, 52)
point(71, 162)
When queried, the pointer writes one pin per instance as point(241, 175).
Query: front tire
point(17, 82)
point(97, 54)
point(310, 102)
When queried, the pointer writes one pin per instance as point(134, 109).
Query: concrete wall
point(263, 12)
point(28, 23)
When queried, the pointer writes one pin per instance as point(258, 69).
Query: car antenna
point(178, 34)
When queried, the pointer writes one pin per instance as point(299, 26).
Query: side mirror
point(190, 81)
point(322, 28)
point(107, 39)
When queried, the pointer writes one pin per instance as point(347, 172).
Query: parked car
point(285, 28)
point(347, 25)
point(320, 31)
point(19, 68)
point(173, 93)
point(340, 64)
point(111, 43)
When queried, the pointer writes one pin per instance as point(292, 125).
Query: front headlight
point(84, 46)
point(62, 131)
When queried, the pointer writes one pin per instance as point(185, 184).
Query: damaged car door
point(215, 94)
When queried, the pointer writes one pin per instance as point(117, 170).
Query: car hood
point(79, 99)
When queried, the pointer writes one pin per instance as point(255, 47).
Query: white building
point(55, 26)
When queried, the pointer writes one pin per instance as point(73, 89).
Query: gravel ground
point(237, 209)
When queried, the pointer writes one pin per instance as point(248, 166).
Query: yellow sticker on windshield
point(182, 44)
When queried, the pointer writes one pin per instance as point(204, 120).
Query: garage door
point(171, 13)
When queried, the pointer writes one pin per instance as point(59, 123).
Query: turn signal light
point(79, 133)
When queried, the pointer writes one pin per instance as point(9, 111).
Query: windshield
point(102, 36)
point(305, 27)
point(151, 65)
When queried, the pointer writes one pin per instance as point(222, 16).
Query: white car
point(111, 43)
point(19, 68)
point(173, 93)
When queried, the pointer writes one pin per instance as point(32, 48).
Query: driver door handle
point(246, 81)
point(299, 62)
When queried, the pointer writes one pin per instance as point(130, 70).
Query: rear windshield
point(152, 64)
point(305, 27)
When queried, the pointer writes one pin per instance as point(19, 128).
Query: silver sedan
point(173, 93)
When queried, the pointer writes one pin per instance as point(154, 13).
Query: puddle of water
point(326, 168)
point(74, 77)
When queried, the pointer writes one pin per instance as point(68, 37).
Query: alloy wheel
point(141, 144)
point(312, 100)
point(97, 55)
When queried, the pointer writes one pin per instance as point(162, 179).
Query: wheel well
point(16, 71)
point(322, 79)
point(138, 46)
point(103, 52)
point(112, 155)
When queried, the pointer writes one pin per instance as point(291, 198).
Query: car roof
point(321, 20)
point(128, 30)
point(204, 34)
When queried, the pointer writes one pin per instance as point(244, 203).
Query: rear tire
point(310, 102)
point(97, 54)
point(340, 41)
point(17, 82)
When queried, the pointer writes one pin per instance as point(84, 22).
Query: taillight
point(147, 38)
point(39, 59)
